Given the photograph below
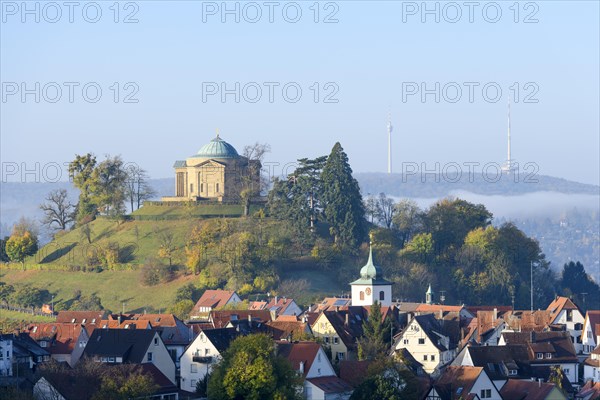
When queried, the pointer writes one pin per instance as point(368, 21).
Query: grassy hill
point(67, 264)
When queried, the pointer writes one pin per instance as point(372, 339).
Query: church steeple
point(371, 286)
point(429, 295)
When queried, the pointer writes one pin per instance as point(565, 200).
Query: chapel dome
point(217, 148)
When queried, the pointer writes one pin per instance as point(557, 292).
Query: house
point(444, 309)
point(547, 349)
point(339, 330)
point(20, 355)
point(283, 306)
point(68, 386)
point(591, 365)
point(330, 303)
point(589, 391)
point(134, 346)
point(463, 383)
point(201, 354)
point(432, 342)
point(289, 330)
point(229, 318)
point(531, 390)
point(526, 320)
point(64, 340)
point(564, 312)
point(591, 331)
point(212, 300)
point(320, 380)
point(489, 327)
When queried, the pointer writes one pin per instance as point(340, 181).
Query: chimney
point(119, 319)
point(495, 314)
point(539, 382)
point(304, 319)
point(284, 300)
point(347, 318)
point(276, 299)
point(310, 308)
point(441, 314)
point(250, 320)
point(301, 369)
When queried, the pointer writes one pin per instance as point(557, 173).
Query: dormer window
point(93, 320)
point(83, 321)
point(548, 355)
point(512, 372)
point(540, 356)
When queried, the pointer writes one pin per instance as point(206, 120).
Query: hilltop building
point(216, 172)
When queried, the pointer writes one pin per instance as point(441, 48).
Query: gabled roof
point(80, 317)
point(214, 299)
point(61, 337)
point(593, 316)
point(280, 305)
point(257, 305)
point(354, 372)
point(330, 303)
point(543, 342)
point(456, 382)
point(25, 346)
point(497, 361)
point(298, 352)
point(560, 303)
point(331, 384)
point(526, 390)
point(220, 338)
point(287, 330)
point(172, 330)
point(131, 344)
point(221, 318)
point(347, 324)
point(435, 329)
point(525, 320)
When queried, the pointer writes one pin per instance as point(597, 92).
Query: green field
point(113, 287)
point(21, 316)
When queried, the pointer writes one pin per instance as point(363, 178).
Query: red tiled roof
point(80, 317)
point(281, 305)
point(526, 390)
point(560, 303)
point(436, 308)
point(282, 330)
point(457, 381)
point(591, 389)
point(257, 305)
point(299, 351)
point(220, 318)
point(61, 337)
point(214, 299)
point(354, 372)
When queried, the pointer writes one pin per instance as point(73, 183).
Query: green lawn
point(113, 288)
point(21, 316)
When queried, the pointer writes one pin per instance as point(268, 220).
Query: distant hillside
point(441, 185)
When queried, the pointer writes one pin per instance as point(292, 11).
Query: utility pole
point(531, 272)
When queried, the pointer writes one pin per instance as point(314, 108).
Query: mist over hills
point(564, 216)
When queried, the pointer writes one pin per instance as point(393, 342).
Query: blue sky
point(374, 51)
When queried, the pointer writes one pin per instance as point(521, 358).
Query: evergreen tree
point(372, 346)
point(343, 206)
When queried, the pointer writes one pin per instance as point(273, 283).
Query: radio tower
point(510, 165)
point(389, 129)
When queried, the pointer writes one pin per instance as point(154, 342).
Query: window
point(340, 355)
point(319, 357)
point(217, 188)
point(421, 340)
point(83, 321)
point(566, 370)
point(111, 359)
point(512, 372)
point(191, 187)
point(43, 343)
point(569, 315)
point(540, 356)
point(326, 339)
point(201, 187)
point(424, 357)
point(548, 355)
point(193, 383)
point(319, 371)
point(194, 368)
point(433, 357)
point(336, 340)
point(149, 356)
point(362, 295)
point(206, 351)
point(486, 393)
point(156, 341)
point(381, 295)
point(405, 341)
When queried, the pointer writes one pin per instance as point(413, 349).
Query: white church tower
point(371, 286)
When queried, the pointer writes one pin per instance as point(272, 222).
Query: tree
point(124, 383)
point(250, 370)
point(385, 210)
point(19, 246)
point(166, 246)
point(29, 296)
point(3, 256)
point(86, 233)
point(388, 381)
point(372, 346)
point(137, 189)
point(108, 185)
point(6, 292)
point(371, 208)
point(575, 281)
point(81, 172)
point(407, 219)
point(58, 210)
point(250, 186)
point(182, 309)
point(343, 206)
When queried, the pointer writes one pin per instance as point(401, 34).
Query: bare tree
point(253, 181)
point(59, 211)
point(137, 188)
point(371, 207)
point(385, 209)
